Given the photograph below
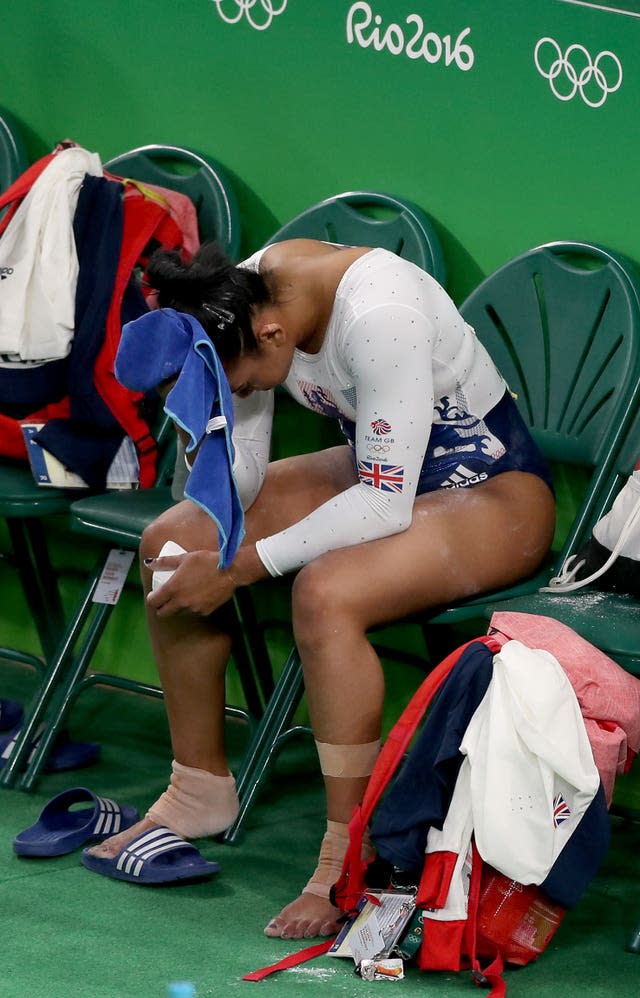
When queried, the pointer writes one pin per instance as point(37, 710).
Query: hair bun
point(190, 283)
point(173, 279)
point(209, 287)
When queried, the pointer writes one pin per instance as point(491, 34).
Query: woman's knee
point(184, 523)
point(320, 603)
point(153, 537)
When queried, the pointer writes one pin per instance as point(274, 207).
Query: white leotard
point(394, 347)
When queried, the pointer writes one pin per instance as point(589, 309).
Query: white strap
point(110, 817)
point(216, 423)
point(565, 581)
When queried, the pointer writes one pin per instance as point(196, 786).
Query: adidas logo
point(462, 477)
point(5, 272)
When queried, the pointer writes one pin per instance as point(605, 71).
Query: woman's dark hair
point(219, 295)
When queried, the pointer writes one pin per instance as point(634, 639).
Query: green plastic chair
point(23, 503)
point(201, 178)
point(562, 321)
point(13, 155)
point(611, 621)
point(371, 218)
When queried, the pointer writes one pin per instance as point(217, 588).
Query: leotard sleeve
point(388, 353)
point(253, 419)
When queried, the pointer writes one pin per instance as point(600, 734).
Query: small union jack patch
point(561, 810)
point(380, 427)
point(386, 477)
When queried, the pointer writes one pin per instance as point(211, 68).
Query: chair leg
point(63, 694)
point(250, 635)
point(64, 680)
point(251, 657)
point(38, 580)
point(273, 729)
point(22, 658)
point(76, 680)
point(53, 677)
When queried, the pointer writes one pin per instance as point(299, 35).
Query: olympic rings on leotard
point(608, 79)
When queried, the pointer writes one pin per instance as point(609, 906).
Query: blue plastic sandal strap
point(148, 847)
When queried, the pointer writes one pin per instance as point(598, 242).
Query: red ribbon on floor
point(291, 961)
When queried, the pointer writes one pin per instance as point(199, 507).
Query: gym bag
point(417, 806)
point(117, 224)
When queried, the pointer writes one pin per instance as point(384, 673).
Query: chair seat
point(21, 496)
point(476, 607)
point(120, 517)
point(610, 621)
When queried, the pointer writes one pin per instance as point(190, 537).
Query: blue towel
point(164, 343)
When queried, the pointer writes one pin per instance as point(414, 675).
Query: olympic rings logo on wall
point(593, 79)
point(259, 13)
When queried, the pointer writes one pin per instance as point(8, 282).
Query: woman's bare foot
point(306, 917)
point(112, 846)
point(312, 914)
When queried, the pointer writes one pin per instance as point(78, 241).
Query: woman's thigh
point(293, 488)
point(460, 542)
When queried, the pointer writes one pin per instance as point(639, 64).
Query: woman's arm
point(389, 351)
point(253, 421)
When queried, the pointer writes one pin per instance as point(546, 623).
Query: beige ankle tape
point(332, 852)
point(196, 803)
point(347, 761)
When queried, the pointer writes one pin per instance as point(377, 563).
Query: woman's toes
point(305, 918)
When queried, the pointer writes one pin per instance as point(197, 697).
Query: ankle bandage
point(332, 853)
point(347, 761)
point(196, 803)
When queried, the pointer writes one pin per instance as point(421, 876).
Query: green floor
point(68, 933)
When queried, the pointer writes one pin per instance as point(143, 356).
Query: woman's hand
point(197, 585)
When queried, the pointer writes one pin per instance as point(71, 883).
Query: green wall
point(297, 112)
point(322, 96)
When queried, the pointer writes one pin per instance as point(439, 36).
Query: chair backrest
point(370, 218)
point(201, 178)
point(13, 156)
point(562, 323)
point(357, 218)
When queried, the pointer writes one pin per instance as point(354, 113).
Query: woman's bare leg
point(191, 652)
point(459, 543)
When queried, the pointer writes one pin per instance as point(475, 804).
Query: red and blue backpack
point(114, 244)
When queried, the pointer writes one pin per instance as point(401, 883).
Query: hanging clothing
point(39, 263)
point(609, 697)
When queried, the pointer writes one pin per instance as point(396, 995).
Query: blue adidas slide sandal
point(64, 754)
point(157, 856)
point(11, 714)
point(59, 829)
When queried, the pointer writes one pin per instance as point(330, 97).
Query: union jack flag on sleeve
point(386, 477)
